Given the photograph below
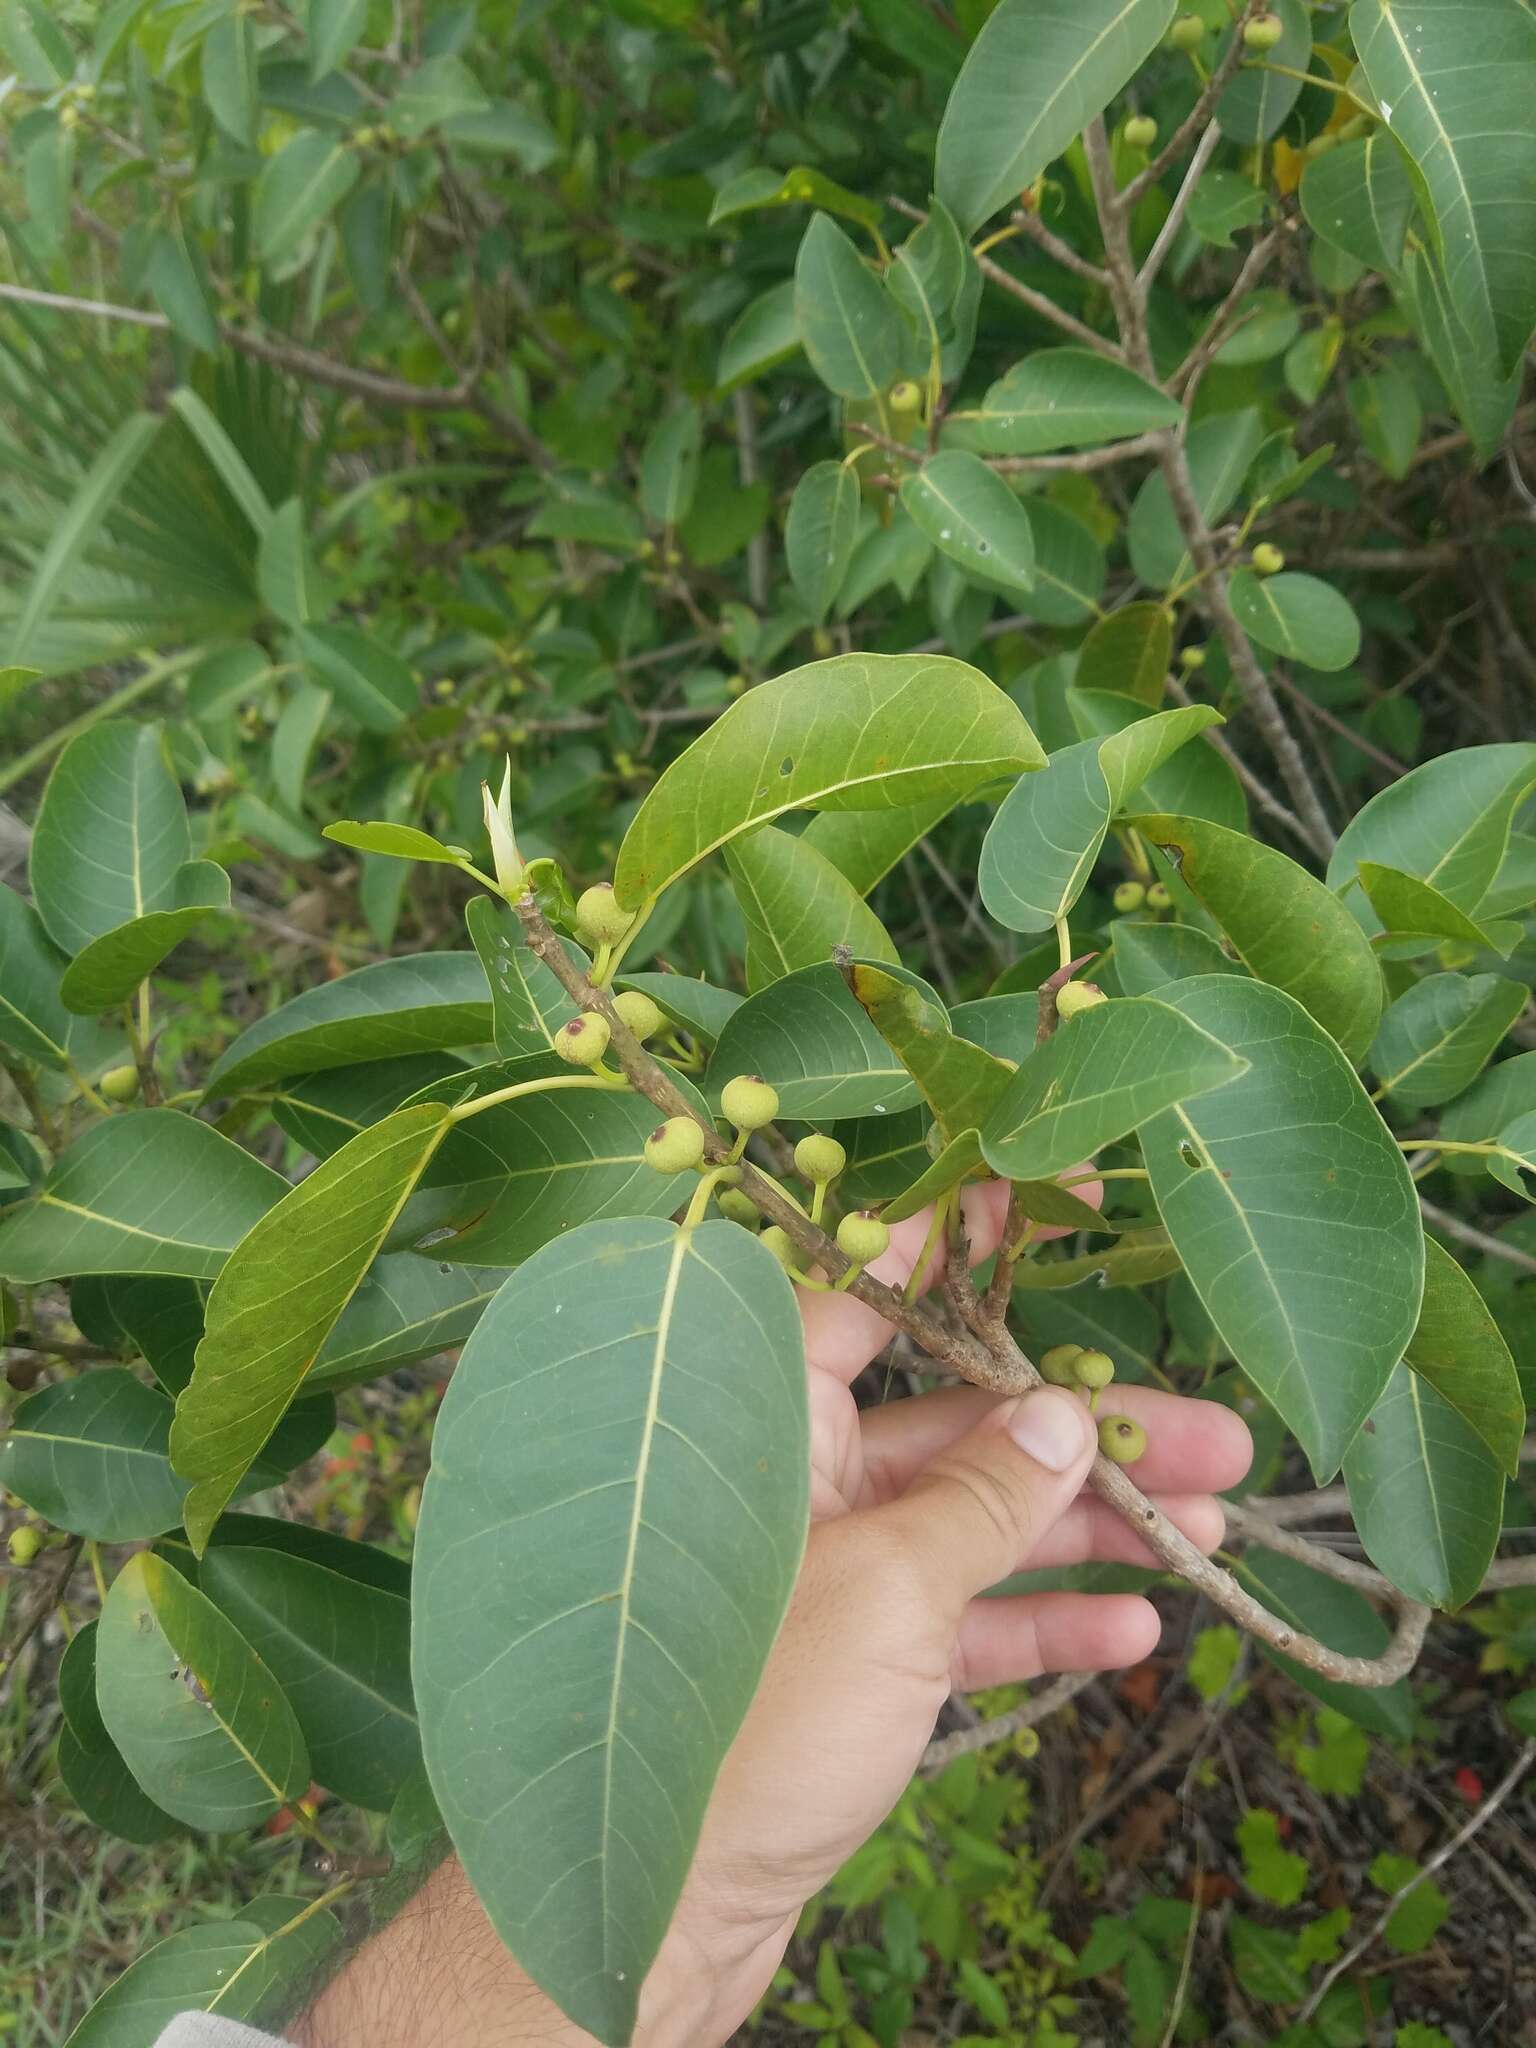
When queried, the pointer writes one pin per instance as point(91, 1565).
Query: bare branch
point(1205, 149)
point(1478, 1240)
point(1003, 1727)
point(1081, 460)
point(1062, 252)
point(1198, 115)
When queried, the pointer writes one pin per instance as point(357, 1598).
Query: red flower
point(1469, 1785)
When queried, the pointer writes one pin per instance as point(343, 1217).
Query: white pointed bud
point(498, 822)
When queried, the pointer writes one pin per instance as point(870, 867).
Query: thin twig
point(1061, 252)
point(1003, 1727)
point(1081, 461)
point(1193, 122)
point(1478, 1240)
point(1256, 787)
point(1205, 149)
point(1469, 1827)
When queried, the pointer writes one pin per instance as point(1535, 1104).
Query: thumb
point(977, 1511)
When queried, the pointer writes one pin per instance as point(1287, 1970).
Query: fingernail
point(1050, 1427)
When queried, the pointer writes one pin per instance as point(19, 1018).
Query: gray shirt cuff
point(207, 2030)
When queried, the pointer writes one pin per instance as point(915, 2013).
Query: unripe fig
point(780, 1244)
point(1267, 559)
point(1192, 657)
point(120, 1084)
point(749, 1102)
point(1078, 996)
point(643, 1017)
point(862, 1236)
point(1094, 1369)
point(1141, 131)
point(599, 918)
point(1130, 896)
point(1059, 1364)
point(819, 1158)
point(23, 1544)
point(584, 1040)
point(1263, 32)
point(1121, 1439)
point(1187, 33)
point(675, 1146)
point(736, 1207)
point(1158, 897)
point(904, 398)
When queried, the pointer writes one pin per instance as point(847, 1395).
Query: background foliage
point(392, 388)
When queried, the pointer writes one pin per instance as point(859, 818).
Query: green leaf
point(1425, 1493)
point(229, 77)
point(1041, 847)
point(764, 334)
point(276, 1301)
point(441, 91)
point(1359, 197)
point(1274, 1873)
point(1220, 451)
point(866, 845)
point(375, 1013)
point(90, 1456)
point(104, 1789)
point(1447, 821)
point(1343, 1619)
point(1294, 1213)
point(798, 908)
point(1095, 1080)
point(33, 1020)
point(1060, 398)
point(1140, 1258)
point(960, 1081)
point(807, 1035)
point(406, 1308)
point(1491, 1105)
point(74, 531)
point(859, 732)
point(1516, 1156)
point(1147, 957)
point(297, 189)
point(370, 680)
point(970, 515)
point(528, 1003)
point(1286, 927)
point(1033, 79)
point(1415, 1923)
point(340, 1649)
point(1452, 79)
point(177, 286)
point(1298, 616)
point(334, 28)
point(400, 842)
point(146, 1191)
point(1406, 906)
point(1222, 202)
point(108, 970)
point(1070, 565)
point(1436, 1038)
point(1459, 1349)
point(111, 836)
point(529, 1170)
point(1256, 103)
point(598, 1683)
point(1127, 653)
point(801, 186)
point(1388, 412)
point(694, 1006)
point(669, 464)
point(1483, 395)
point(244, 1969)
point(286, 575)
point(1125, 1325)
point(224, 457)
point(819, 534)
point(1194, 781)
point(854, 332)
point(198, 1718)
point(161, 1319)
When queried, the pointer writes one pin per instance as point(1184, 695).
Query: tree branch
point(1003, 1727)
point(1151, 174)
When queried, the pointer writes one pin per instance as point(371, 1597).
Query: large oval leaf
point(106, 1792)
point(1033, 80)
point(199, 1719)
point(808, 1036)
point(378, 1012)
point(1460, 1350)
point(859, 732)
point(298, 187)
point(1060, 398)
point(1255, 104)
point(1096, 1079)
point(1425, 1493)
point(1447, 821)
point(278, 1298)
point(1344, 1619)
point(1193, 782)
point(855, 334)
point(528, 1005)
point(146, 1191)
point(1301, 617)
point(243, 1969)
point(340, 1648)
point(1358, 197)
point(1127, 653)
point(960, 1079)
point(1287, 928)
point(405, 1308)
point(1294, 1213)
point(608, 1540)
point(111, 834)
point(797, 907)
point(108, 970)
point(1436, 1038)
point(819, 534)
point(1040, 848)
point(1452, 79)
point(91, 1455)
point(33, 1019)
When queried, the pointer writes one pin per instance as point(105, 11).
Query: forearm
point(438, 1976)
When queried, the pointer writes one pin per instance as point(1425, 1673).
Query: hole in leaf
point(787, 766)
point(1189, 1155)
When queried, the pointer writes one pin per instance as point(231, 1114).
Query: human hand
point(917, 1508)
